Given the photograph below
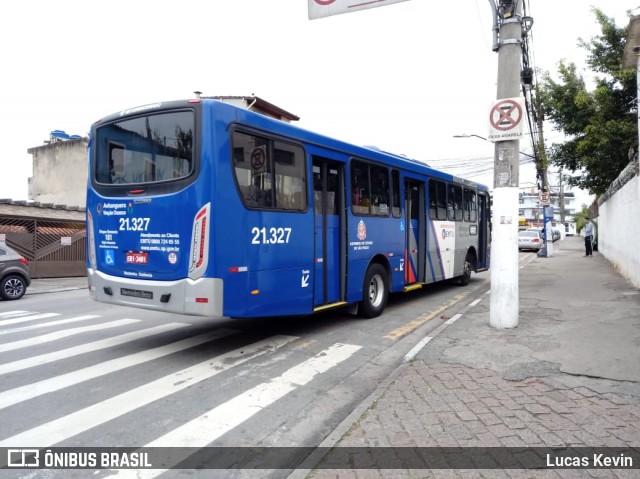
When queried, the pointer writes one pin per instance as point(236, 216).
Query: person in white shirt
point(588, 238)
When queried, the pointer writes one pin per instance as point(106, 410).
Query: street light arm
point(485, 139)
point(469, 136)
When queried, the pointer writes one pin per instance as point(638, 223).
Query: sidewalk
point(567, 376)
point(52, 285)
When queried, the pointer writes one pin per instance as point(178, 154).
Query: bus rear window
point(145, 149)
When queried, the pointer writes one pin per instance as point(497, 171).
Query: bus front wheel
point(375, 292)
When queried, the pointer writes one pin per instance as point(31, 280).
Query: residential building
point(564, 209)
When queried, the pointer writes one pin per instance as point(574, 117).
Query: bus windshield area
point(145, 149)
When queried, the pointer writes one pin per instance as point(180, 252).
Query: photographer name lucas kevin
point(592, 461)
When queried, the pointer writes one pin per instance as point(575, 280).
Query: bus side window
point(474, 207)
point(290, 177)
point(470, 206)
point(433, 200)
point(270, 174)
point(360, 200)
point(454, 205)
point(396, 209)
point(380, 190)
point(437, 200)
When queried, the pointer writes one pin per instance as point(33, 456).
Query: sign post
point(547, 217)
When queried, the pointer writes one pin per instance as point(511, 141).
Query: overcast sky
point(404, 77)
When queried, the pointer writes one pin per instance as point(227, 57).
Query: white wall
point(60, 173)
point(619, 230)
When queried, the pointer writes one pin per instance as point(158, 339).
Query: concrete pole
point(542, 155)
point(636, 50)
point(505, 302)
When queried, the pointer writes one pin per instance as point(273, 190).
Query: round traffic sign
point(505, 115)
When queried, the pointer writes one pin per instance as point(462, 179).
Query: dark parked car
point(14, 274)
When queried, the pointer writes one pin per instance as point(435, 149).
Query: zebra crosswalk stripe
point(214, 423)
point(21, 364)
point(77, 422)
point(8, 314)
point(24, 319)
point(60, 322)
point(29, 391)
point(47, 338)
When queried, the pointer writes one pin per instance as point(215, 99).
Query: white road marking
point(24, 319)
point(47, 338)
point(29, 391)
point(75, 423)
point(221, 419)
point(8, 314)
point(51, 323)
point(86, 348)
point(474, 302)
point(416, 349)
point(454, 318)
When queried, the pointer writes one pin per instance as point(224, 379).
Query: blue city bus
point(199, 207)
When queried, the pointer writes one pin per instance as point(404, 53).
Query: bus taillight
point(199, 255)
point(92, 242)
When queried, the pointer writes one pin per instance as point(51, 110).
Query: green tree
point(600, 125)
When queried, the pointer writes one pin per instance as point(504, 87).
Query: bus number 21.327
point(134, 224)
point(270, 236)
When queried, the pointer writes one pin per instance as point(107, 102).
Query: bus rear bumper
point(202, 297)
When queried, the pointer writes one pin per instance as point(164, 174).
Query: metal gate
point(54, 248)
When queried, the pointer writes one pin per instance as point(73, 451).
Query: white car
point(530, 239)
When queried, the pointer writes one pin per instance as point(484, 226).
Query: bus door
point(483, 230)
point(414, 249)
point(330, 260)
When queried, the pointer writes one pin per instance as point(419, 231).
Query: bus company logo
point(362, 231)
point(173, 257)
point(23, 458)
point(99, 209)
point(447, 233)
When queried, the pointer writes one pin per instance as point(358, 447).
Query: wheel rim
point(376, 291)
point(13, 288)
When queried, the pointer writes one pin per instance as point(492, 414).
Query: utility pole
point(541, 167)
point(505, 292)
point(561, 198)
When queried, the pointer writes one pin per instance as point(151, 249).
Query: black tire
point(12, 287)
point(375, 292)
point(466, 272)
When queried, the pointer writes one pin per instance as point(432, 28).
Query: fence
point(54, 248)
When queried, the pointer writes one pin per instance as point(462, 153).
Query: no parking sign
point(506, 119)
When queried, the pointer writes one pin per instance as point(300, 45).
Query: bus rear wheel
point(375, 292)
point(466, 271)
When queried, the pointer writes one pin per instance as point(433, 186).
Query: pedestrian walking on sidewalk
point(588, 237)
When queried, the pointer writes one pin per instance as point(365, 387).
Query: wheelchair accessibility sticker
point(109, 257)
